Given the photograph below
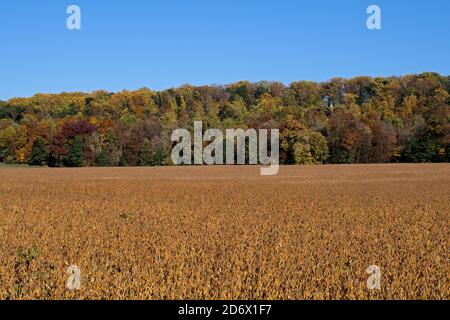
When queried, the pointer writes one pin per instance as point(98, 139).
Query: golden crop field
point(225, 232)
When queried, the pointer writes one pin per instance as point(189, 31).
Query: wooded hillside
point(359, 120)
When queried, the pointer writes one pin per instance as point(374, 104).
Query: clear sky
point(166, 43)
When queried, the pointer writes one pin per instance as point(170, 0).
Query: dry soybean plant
point(225, 233)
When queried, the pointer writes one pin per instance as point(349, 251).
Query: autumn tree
point(358, 120)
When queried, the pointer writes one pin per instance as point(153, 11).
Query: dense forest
point(359, 120)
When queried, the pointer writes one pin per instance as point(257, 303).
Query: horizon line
point(174, 87)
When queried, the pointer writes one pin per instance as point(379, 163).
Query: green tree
point(145, 156)
point(74, 156)
point(302, 153)
point(7, 143)
point(300, 145)
point(319, 147)
point(39, 152)
point(102, 159)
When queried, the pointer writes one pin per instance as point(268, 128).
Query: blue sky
point(166, 43)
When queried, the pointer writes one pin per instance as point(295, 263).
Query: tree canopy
point(358, 120)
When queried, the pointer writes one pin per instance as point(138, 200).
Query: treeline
point(360, 120)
